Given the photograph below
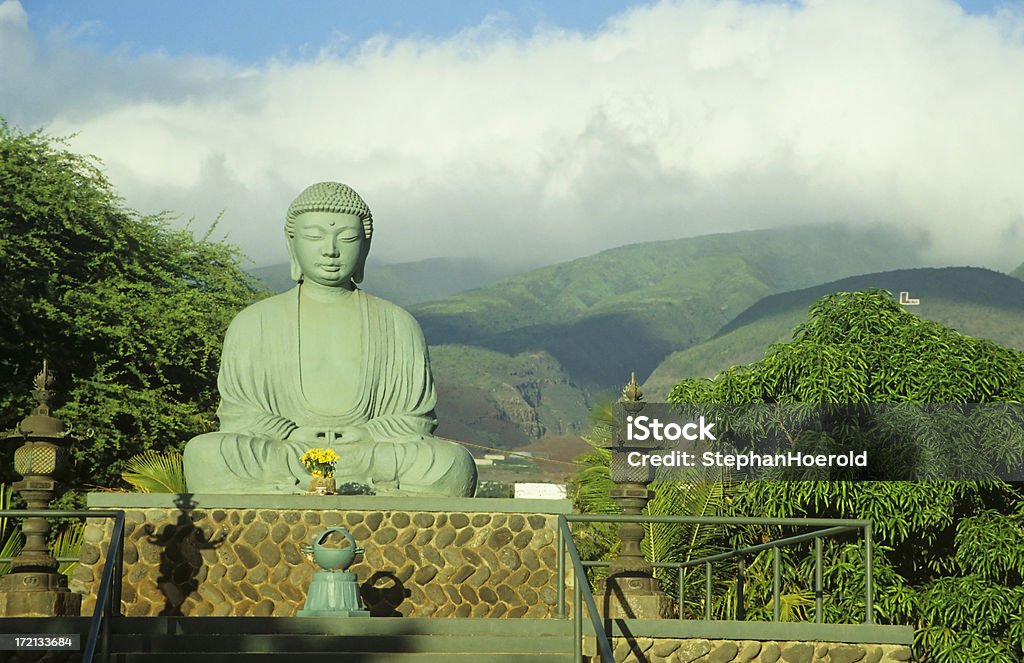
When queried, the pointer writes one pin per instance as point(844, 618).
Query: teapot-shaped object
point(333, 559)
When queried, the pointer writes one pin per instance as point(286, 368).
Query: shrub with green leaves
point(130, 313)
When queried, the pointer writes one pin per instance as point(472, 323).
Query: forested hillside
point(976, 302)
point(634, 304)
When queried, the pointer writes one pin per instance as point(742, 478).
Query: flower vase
point(322, 485)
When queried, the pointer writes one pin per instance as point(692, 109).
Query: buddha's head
point(328, 228)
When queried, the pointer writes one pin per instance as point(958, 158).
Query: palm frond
point(68, 543)
point(5, 503)
point(156, 472)
point(11, 548)
point(10, 533)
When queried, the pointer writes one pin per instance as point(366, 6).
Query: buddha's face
point(328, 247)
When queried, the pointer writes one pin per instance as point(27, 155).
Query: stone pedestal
point(631, 591)
point(333, 594)
point(18, 599)
point(634, 598)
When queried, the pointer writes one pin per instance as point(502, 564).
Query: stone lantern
point(33, 588)
point(631, 591)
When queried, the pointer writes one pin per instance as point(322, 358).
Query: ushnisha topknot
point(329, 197)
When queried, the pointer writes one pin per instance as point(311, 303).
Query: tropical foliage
point(67, 544)
point(155, 472)
point(951, 553)
point(10, 533)
point(130, 313)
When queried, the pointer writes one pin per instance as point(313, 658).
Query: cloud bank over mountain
point(671, 120)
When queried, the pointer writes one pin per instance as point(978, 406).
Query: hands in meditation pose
point(327, 365)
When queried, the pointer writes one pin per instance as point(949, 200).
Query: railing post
point(560, 600)
point(818, 584)
point(869, 581)
point(707, 591)
point(115, 590)
point(776, 583)
point(577, 619)
point(680, 592)
point(105, 647)
point(741, 610)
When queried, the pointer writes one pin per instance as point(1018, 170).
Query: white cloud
point(672, 120)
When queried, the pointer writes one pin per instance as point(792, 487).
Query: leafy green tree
point(129, 312)
point(951, 555)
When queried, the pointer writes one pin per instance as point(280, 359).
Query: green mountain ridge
point(977, 302)
point(623, 310)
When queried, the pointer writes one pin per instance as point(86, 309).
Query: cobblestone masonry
point(250, 562)
point(676, 650)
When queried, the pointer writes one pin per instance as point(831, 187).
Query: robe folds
point(262, 402)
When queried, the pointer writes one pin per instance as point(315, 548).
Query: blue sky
point(254, 30)
point(535, 132)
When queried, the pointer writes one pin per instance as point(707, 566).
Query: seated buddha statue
point(326, 365)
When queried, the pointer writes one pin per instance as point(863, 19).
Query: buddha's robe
point(262, 402)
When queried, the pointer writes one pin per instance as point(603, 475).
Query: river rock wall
point(250, 561)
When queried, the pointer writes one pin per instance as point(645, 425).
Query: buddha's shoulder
point(272, 306)
point(390, 309)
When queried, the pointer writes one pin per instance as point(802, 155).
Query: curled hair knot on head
point(329, 197)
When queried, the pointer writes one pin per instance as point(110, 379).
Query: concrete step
point(297, 643)
point(342, 657)
point(339, 640)
point(382, 626)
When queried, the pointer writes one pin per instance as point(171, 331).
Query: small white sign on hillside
point(906, 299)
point(541, 491)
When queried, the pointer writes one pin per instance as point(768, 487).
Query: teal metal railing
point(821, 528)
point(581, 595)
point(108, 597)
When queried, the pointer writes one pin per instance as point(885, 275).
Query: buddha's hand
point(309, 435)
point(351, 434)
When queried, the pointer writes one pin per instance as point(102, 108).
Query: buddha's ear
point(357, 276)
point(296, 270)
